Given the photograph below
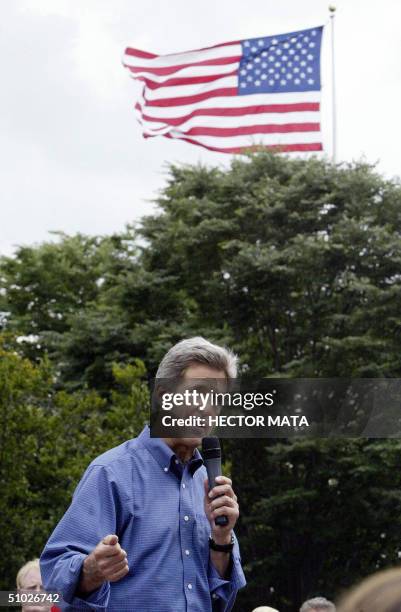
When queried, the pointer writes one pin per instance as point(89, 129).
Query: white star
point(291, 51)
point(264, 54)
point(303, 63)
point(296, 57)
point(303, 51)
point(313, 32)
point(246, 43)
point(289, 64)
point(277, 64)
point(271, 82)
point(263, 64)
point(310, 56)
point(309, 69)
point(243, 72)
point(288, 75)
point(297, 81)
point(243, 84)
point(298, 45)
point(311, 81)
point(257, 60)
point(261, 43)
point(279, 51)
point(285, 58)
point(312, 44)
point(276, 76)
point(274, 41)
point(296, 70)
point(254, 49)
point(257, 83)
point(263, 77)
point(293, 39)
point(249, 78)
point(283, 70)
point(283, 82)
point(286, 45)
point(302, 75)
point(306, 38)
point(257, 71)
point(271, 58)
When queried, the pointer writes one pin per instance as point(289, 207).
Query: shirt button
point(190, 586)
point(214, 596)
point(186, 518)
point(183, 485)
point(166, 469)
point(187, 552)
point(176, 461)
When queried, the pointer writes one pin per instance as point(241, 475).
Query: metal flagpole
point(332, 10)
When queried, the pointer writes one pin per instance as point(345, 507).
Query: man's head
point(318, 604)
point(194, 359)
point(28, 578)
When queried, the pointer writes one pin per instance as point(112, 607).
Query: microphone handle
point(213, 467)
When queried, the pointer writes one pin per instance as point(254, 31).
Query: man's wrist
point(91, 579)
point(222, 538)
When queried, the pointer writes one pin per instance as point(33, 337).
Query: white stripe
point(193, 71)
point(256, 139)
point(232, 102)
point(178, 91)
point(187, 57)
point(151, 127)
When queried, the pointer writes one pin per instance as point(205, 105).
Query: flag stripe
point(184, 91)
point(265, 123)
point(226, 113)
point(249, 130)
point(191, 57)
point(201, 70)
point(184, 100)
point(177, 68)
point(285, 148)
point(181, 81)
point(255, 100)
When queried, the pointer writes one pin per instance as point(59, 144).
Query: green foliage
point(47, 440)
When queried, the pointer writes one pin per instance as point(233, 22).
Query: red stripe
point(288, 148)
point(234, 112)
point(246, 130)
point(224, 91)
point(139, 53)
point(222, 61)
point(186, 80)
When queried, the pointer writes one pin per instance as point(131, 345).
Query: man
point(318, 604)
point(29, 579)
point(136, 535)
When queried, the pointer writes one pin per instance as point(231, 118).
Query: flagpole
point(332, 10)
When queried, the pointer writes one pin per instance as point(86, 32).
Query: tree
point(47, 440)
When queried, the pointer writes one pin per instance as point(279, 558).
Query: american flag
point(234, 96)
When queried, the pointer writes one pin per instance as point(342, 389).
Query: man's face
point(195, 377)
point(33, 581)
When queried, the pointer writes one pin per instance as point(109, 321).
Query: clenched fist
point(107, 562)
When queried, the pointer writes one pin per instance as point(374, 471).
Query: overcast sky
point(72, 155)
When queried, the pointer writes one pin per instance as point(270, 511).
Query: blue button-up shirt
point(144, 494)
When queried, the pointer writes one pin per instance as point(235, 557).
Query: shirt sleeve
point(91, 516)
point(223, 591)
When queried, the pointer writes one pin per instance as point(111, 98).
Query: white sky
point(72, 155)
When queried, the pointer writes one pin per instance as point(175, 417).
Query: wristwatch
point(227, 548)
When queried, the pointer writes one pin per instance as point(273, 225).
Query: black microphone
point(211, 452)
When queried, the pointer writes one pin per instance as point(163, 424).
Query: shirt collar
point(165, 456)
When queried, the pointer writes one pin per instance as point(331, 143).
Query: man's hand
point(107, 562)
point(221, 500)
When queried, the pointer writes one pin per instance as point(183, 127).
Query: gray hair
point(317, 603)
point(197, 350)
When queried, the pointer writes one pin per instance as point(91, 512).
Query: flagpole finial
point(332, 9)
